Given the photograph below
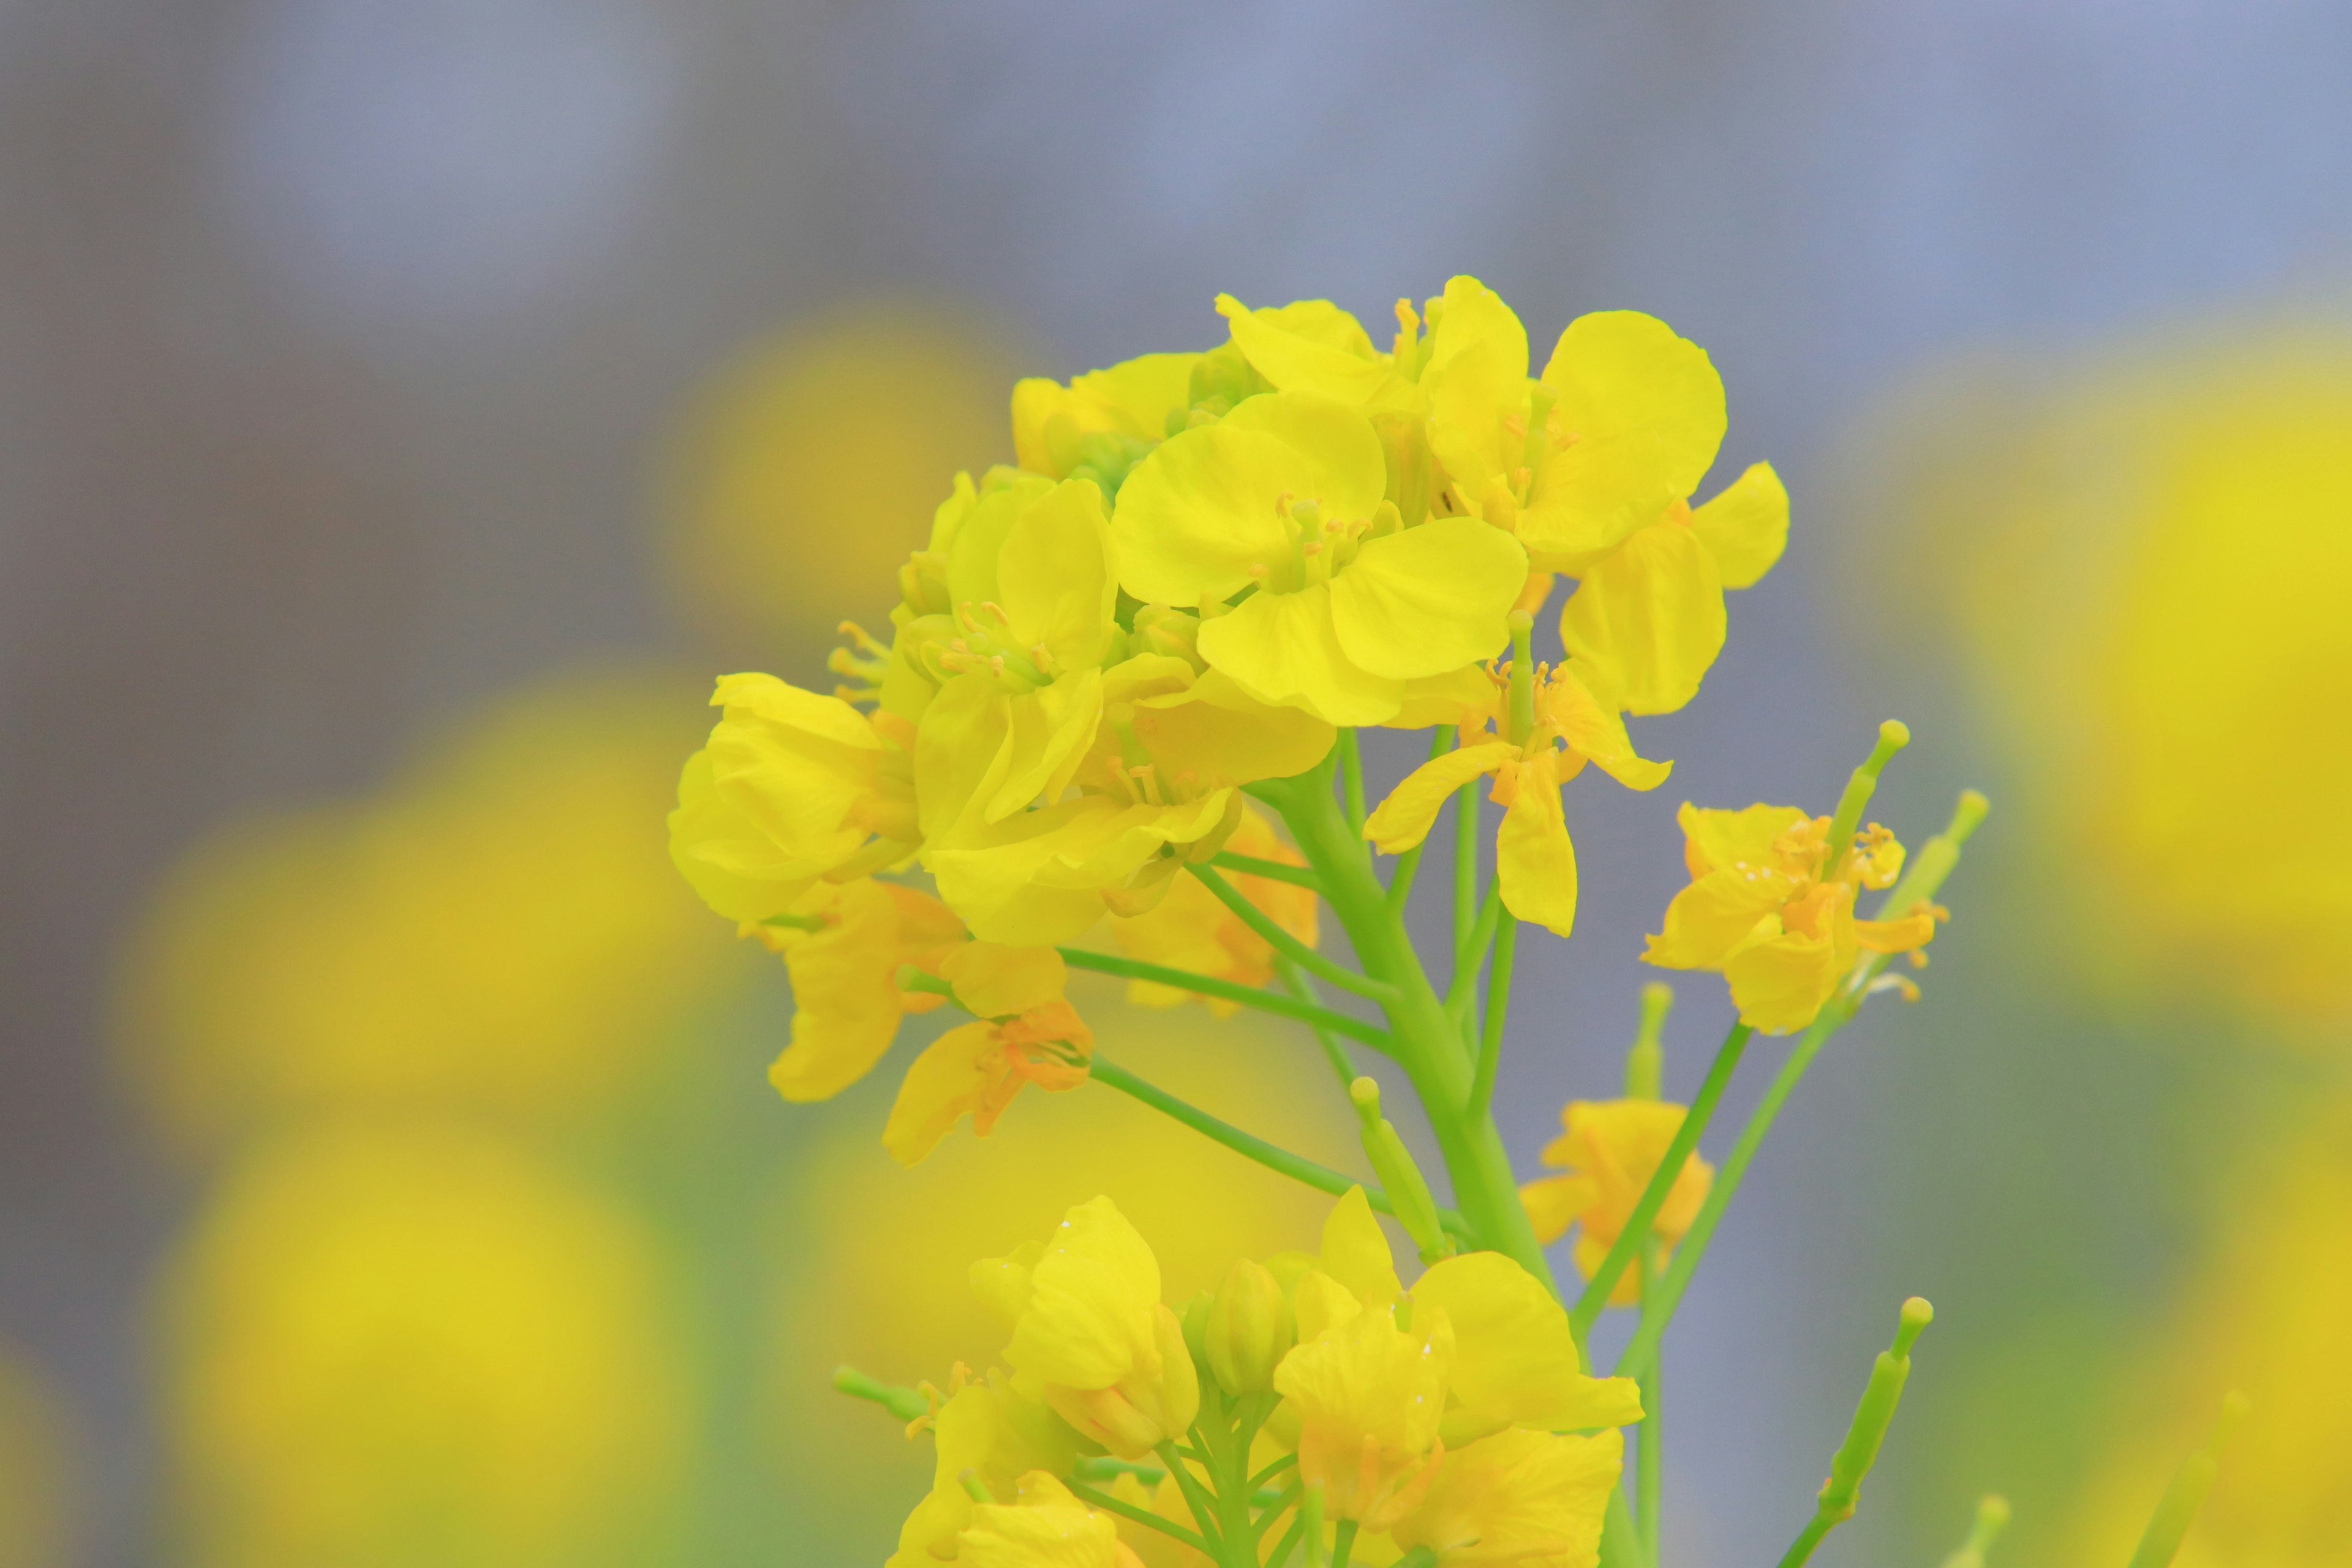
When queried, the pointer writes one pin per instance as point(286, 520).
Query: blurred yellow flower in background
point(420, 1345)
point(498, 931)
point(38, 1487)
point(2148, 565)
point(809, 468)
point(2266, 1315)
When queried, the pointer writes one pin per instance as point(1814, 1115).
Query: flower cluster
point(1308, 1392)
point(1201, 568)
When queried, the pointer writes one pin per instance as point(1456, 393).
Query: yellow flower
point(1515, 1362)
point(1761, 910)
point(844, 951)
point(991, 1433)
point(1089, 1333)
point(1103, 421)
point(1593, 466)
point(1043, 877)
point(792, 787)
point(1610, 1150)
point(1368, 1397)
point(422, 1344)
point(1048, 1528)
point(1286, 496)
point(1025, 1032)
point(1534, 1500)
point(1535, 859)
point(1191, 928)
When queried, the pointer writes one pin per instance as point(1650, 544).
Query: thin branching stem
point(1254, 996)
point(1287, 945)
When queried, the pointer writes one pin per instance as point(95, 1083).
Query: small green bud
point(1196, 1327)
point(1250, 1329)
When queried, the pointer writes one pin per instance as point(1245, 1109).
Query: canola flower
point(1113, 729)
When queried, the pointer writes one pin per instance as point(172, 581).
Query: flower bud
point(1164, 629)
point(1250, 1329)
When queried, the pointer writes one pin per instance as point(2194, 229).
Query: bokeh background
point(407, 406)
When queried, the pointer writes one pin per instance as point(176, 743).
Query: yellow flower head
point(843, 947)
point(1534, 858)
point(1610, 1150)
point(1767, 909)
point(793, 787)
point(1048, 1528)
point(1099, 425)
point(1368, 1397)
point(1090, 1335)
point(1287, 496)
point(1191, 928)
point(1531, 1498)
point(989, 1432)
point(1024, 1033)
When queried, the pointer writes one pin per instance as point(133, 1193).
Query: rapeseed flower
point(1520, 1497)
point(793, 788)
point(1770, 907)
point(1286, 496)
point(1025, 1032)
point(986, 1431)
point(1102, 422)
point(1610, 1150)
point(1529, 758)
point(1089, 1334)
point(1047, 1528)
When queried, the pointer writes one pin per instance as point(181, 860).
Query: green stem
point(1621, 1542)
point(1232, 990)
point(1096, 1498)
point(904, 1403)
point(1203, 1506)
point(1272, 870)
point(1628, 1244)
point(1273, 1156)
point(1993, 1517)
point(1351, 779)
point(1283, 943)
point(1649, 1437)
point(1466, 860)
point(1871, 1417)
point(1643, 1349)
point(1343, 1540)
point(1425, 1041)
point(1498, 1001)
point(1464, 986)
point(2176, 1509)
point(1303, 988)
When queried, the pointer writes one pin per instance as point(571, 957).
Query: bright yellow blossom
point(1089, 1333)
point(1048, 1528)
point(1527, 1498)
point(792, 787)
point(1103, 421)
point(1191, 928)
point(1779, 924)
point(1515, 1362)
point(1534, 858)
point(843, 950)
point(1368, 1397)
point(987, 1430)
point(1024, 1033)
point(1610, 1150)
point(1286, 496)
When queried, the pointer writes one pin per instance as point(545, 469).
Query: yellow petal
point(1055, 579)
point(1283, 649)
point(1708, 920)
point(1131, 399)
point(1221, 735)
point(1458, 697)
point(1746, 526)
point(1780, 984)
point(1514, 1357)
point(1312, 346)
point(1343, 445)
point(846, 1001)
point(1088, 1320)
point(1428, 600)
point(942, 1086)
point(1597, 732)
point(1404, 818)
point(1740, 840)
point(1553, 1204)
point(1620, 372)
point(995, 981)
point(1199, 512)
point(1650, 616)
point(1535, 861)
point(1476, 378)
point(1049, 731)
point(1535, 1499)
point(1321, 1303)
point(1356, 1250)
